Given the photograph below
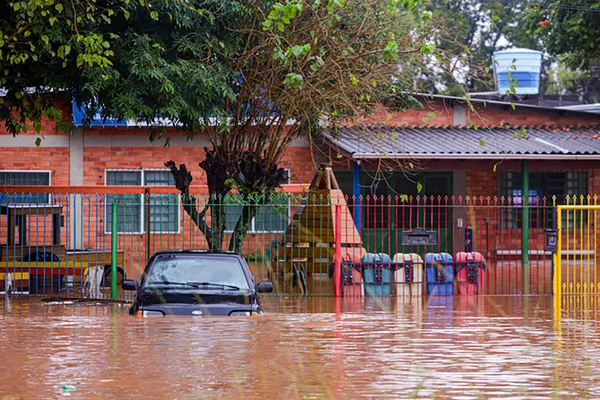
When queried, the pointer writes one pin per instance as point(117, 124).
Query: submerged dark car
point(196, 283)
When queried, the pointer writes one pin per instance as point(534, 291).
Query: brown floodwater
point(305, 348)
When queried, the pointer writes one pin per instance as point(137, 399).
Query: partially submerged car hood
point(196, 302)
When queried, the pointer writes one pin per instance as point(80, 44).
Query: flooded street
point(462, 348)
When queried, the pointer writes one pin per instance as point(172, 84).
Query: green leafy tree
point(469, 33)
point(569, 29)
point(564, 82)
point(41, 42)
point(301, 66)
point(252, 75)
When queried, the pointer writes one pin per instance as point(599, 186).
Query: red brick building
point(455, 149)
point(468, 172)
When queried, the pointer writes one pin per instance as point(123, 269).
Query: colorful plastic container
point(469, 269)
point(439, 272)
point(408, 274)
point(377, 274)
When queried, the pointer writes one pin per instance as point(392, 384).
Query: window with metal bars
point(25, 178)
point(385, 200)
point(163, 209)
point(270, 217)
point(564, 186)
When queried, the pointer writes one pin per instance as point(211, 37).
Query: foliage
point(301, 66)
point(134, 59)
point(253, 75)
point(469, 32)
point(40, 41)
point(568, 28)
point(564, 81)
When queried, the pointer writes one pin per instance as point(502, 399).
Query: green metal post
point(113, 253)
point(525, 228)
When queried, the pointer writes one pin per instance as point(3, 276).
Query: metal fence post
point(558, 256)
point(525, 227)
point(337, 274)
point(113, 252)
point(146, 198)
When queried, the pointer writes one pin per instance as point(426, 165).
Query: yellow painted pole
point(588, 280)
point(595, 248)
point(558, 263)
point(557, 301)
point(558, 275)
point(578, 245)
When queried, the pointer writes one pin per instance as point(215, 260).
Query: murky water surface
point(461, 348)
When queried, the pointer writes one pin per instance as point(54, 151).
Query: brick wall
point(97, 159)
point(300, 161)
point(482, 182)
point(54, 159)
point(495, 115)
point(431, 113)
point(439, 112)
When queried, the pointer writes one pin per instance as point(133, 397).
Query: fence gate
point(576, 258)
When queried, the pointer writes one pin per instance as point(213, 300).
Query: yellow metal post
point(595, 291)
point(588, 285)
point(578, 245)
point(558, 256)
point(579, 279)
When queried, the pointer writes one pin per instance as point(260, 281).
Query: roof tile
point(373, 141)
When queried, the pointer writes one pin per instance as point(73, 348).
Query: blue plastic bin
point(439, 273)
point(377, 273)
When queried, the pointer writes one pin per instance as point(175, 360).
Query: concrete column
point(356, 192)
point(459, 114)
point(459, 188)
point(76, 199)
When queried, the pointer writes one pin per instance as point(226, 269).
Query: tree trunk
point(236, 243)
point(213, 233)
point(248, 172)
point(217, 213)
point(190, 206)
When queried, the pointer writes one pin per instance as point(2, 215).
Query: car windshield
point(198, 272)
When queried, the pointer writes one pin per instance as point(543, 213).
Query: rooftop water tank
point(528, 64)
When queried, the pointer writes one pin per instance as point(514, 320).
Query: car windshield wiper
point(194, 285)
point(212, 284)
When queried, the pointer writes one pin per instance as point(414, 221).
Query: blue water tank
point(527, 65)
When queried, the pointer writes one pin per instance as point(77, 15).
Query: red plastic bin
point(469, 269)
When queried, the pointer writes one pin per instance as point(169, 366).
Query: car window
point(182, 269)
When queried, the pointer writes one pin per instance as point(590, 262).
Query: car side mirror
point(129, 284)
point(264, 287)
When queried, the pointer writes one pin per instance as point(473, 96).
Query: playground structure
point(309, 243)
point(310, 248)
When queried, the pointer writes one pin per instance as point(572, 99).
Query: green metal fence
point(73, 244)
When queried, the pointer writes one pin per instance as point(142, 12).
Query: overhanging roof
point(376, 142)
point(592, 108)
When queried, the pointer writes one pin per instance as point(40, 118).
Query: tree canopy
point(252, 75)
point(469, 33)
point(568, 28)
point(134, 59)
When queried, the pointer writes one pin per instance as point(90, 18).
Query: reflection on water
point(461, 347)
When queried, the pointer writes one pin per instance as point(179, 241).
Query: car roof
point(244, 264)
point(209, 252)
